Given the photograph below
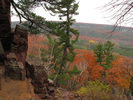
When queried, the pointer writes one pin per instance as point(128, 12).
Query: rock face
point(15, 63)
point(13, 68)
point(0, 81)
point(13, 48)
point(4, 18)
point(2, 53)
point(39, 78)
point(19, 45)
point(5, 23)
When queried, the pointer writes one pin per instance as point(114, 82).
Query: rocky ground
point(16, 90)
point(23, 90)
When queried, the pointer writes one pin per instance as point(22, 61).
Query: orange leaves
point(52, 62)
point(96, 72)
point(119, 74)
point(35, 43)
point(52, 71)
point(85, 61)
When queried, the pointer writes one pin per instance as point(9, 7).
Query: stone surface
point(55, 98)
point(5, 23)
point(2, 3)
point(20, 44)
point(43, 86)
point(0, 81)
point(15, 63)
point(1, 49)
point(7, 79)
point(11, 56)
point(2, 53)
point(14, 69)
point(33, 98)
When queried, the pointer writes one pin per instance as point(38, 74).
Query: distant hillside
point(92, 34)
point(101, 31)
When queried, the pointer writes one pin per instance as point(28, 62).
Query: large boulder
point(43, 86)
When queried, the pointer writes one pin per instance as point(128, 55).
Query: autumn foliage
point(118, 76)
point(35, 42)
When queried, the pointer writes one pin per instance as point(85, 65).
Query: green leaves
point(103, 52)
point(74, 71)
point(96, 90)
point(108, 52)
point(64, 44)
point(99, 53)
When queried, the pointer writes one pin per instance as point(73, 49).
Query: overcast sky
point(88, 12)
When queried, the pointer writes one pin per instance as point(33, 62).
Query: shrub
point(96, 90)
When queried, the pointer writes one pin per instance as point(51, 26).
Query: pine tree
point(108, 53)
point(25, 9)
point(64, 46)
point(103, 53)
point(99, 53)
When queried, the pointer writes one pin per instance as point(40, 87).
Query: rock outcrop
point(5, 21)
point(5, 25)
point(15, 63)
point(2, 53)
point(19, 45)
point(13, 51)
point(43, 86)
point(14, 69)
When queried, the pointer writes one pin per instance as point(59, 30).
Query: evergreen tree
point(64, 46)
point(99, 53)
point(108, 47)
point(25, 9)
point(103, 53)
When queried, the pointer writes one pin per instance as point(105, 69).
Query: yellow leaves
point(92, 41)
